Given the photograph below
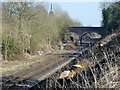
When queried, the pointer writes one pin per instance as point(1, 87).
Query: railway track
point(33, 75)
point(29, 77)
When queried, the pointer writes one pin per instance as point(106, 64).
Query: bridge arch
point(91, 36)
point(81, 31)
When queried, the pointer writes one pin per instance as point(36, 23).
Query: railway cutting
point(30, 77)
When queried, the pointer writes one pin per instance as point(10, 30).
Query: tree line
point(111, 17)
point(28, 27)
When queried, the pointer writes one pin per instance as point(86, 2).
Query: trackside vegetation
point(29, 27)
point(111, 17)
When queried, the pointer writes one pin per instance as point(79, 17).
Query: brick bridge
point(81, 31)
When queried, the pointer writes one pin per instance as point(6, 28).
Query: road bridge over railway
point(81, 31)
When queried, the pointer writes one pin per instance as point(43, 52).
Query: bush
point(10, 49)
point(118, 38)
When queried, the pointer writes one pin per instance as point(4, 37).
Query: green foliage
point(118, 38)
point(111, 17)
point(9, 49)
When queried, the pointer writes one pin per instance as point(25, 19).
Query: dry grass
point(9, 66)
point(102, 71)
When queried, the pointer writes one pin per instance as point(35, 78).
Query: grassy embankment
point(10, 66)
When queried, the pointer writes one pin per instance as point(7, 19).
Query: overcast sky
point(88, 13)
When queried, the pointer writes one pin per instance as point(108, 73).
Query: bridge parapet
point(81, 30)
